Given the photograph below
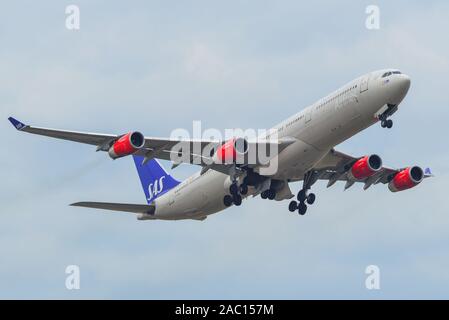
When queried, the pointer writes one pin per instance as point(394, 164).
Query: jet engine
point(126, 145)
point(406, 179)
point(229, 152)
point(365, 167)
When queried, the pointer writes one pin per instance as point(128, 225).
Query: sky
point(155, 66)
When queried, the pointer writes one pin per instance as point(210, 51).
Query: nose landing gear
point(383, 117)
point(386, 123)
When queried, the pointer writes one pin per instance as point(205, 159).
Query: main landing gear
point(269, 194)
point(301, 205)
point(236, 193)
point(303, 196)
point(383, 118)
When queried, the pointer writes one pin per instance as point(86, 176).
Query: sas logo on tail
point(155, 188)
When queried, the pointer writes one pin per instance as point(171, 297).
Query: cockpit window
point(389, 73)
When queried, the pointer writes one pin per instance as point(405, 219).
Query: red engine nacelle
point(227, 153)
point(365, 167)
point(126, 145)
point(406, 179)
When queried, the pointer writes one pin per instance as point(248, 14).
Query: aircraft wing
point(98, 139)
point(187, 150)
point(335, 166)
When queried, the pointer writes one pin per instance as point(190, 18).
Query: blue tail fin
point(155, 180)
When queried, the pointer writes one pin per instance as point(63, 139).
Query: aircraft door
point(308, 115)
point(364, 83)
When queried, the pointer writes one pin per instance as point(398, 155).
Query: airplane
point(306, 152)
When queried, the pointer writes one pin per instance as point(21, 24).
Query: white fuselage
point(316, 130)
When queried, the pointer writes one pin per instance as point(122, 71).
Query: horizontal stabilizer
point(124, 207)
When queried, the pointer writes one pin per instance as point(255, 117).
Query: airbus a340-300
point(305, 145)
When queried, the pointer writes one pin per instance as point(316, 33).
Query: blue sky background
point(155, 66)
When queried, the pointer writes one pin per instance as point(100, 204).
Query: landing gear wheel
point(264, 194)
point(237, 200)
point(243, 189)
point(386, 123)
point(293, 206)
point(302, 208)
point(233, 188)
point(227, 200)
point(301, 195)
point(271, 194)
point(311, 198)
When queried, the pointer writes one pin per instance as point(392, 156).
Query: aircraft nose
point(399, 88)
point(404, 83)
